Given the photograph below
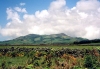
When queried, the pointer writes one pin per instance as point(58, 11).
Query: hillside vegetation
point(34, 39)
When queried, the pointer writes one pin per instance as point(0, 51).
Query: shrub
point(90, 62)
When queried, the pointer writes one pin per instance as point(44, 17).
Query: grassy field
point(55, 47)
point(49, 57)
point(17, 61)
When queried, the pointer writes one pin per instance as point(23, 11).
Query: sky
point(76, 18)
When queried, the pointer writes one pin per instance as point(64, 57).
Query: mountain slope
point(34, 39)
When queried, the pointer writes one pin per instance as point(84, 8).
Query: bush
point(90, 62)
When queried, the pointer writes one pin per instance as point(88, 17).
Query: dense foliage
point(50, 58)
point(96, 41)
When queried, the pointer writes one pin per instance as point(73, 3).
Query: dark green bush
point(90, 62)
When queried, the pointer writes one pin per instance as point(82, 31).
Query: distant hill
point(34, 39)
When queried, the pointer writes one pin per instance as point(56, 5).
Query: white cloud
point(22, 4)
point(42, 14)
point(58, 4)
point(92, 32)
point(18, 9)
point(88, 5)
point(83, 20)
point(12, 14)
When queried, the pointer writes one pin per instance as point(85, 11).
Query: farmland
point(49, 57)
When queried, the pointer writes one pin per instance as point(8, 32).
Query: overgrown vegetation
point(49, 58)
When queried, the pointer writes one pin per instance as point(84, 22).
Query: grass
point(55, 47)
point(16, 61)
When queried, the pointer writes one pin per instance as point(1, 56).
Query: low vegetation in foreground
point(49, 58)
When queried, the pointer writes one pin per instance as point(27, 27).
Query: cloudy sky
point(76, 18)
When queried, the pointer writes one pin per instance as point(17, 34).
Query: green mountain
point(34, 39)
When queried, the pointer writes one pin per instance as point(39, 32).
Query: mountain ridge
point(35, 39)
